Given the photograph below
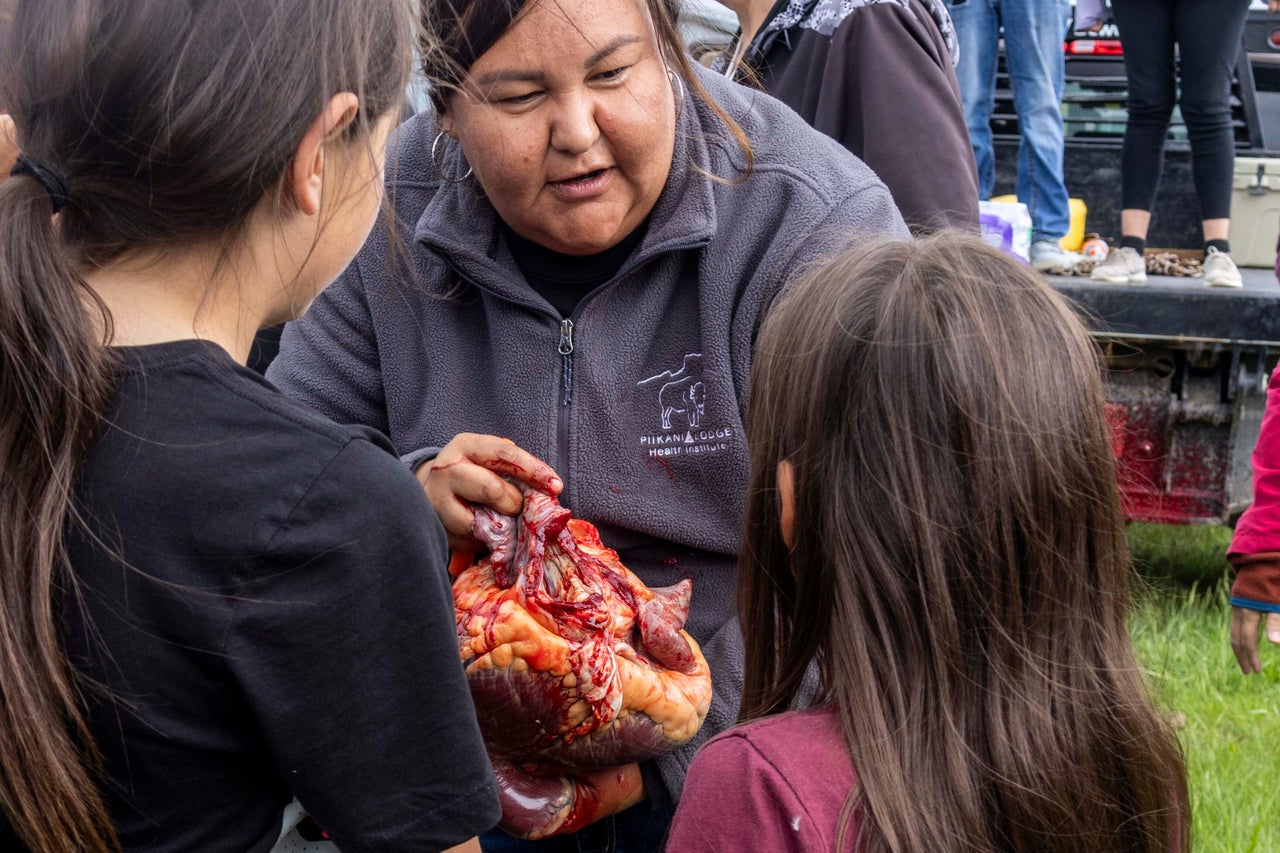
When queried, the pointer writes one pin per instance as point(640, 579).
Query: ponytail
point(55, 383)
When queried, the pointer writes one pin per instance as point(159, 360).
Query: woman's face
point(569, 123)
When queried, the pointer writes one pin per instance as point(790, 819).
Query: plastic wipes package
point(1007, 226)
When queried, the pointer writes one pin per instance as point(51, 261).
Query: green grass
point(1180, 556)
point(1231, 735)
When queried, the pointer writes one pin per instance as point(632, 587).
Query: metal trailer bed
point(1187, 371)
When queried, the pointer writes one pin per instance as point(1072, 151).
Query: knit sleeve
point(1257, 583)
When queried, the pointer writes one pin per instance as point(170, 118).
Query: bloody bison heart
point(573, 662)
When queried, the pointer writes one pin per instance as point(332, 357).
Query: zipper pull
point(566, 337)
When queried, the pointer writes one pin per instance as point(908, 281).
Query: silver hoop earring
point(437, 160)
point(677, 87)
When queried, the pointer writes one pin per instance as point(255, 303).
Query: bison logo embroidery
point(683, 393)
point(687, 429)
point(684, 396)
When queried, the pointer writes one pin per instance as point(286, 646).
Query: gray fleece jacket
point(639, 399)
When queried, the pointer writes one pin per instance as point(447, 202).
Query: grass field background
point(1230, 724)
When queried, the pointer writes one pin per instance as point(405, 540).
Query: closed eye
point(612, 75)
point(519, 100)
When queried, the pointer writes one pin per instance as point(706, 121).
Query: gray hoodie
point(639, 399)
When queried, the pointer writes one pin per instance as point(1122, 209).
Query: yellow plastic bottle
point(1075, 234)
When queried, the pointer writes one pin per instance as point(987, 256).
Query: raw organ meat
point(574, 664)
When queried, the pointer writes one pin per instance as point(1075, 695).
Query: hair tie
point(48, 178)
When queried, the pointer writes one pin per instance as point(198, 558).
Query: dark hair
point(455, 33)
point(959, 570)
point(170, 122)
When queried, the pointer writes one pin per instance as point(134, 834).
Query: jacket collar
point(461, 225)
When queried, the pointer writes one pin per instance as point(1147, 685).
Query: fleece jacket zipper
point(565, 344)
point(566, 397)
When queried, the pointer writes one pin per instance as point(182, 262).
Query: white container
point(1255, 211)
point(1007, 226)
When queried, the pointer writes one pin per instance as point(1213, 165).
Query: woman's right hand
point(471, 469)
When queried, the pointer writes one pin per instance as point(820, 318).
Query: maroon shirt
point(777, 784)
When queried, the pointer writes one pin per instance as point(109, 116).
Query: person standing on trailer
point(1033, 31)
point(1204, 36)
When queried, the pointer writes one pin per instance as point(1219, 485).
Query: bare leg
point(1134, 223)
point(1214, 229)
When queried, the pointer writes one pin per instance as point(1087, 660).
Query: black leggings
point(1207, 33)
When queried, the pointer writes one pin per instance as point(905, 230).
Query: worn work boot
point(1123, 266)
point(1048, 256)
point(1220, 270)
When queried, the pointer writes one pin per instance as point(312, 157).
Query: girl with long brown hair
point(212, 600)
point(933, 522)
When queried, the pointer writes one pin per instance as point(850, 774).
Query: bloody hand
point(542, 801)
point(472, 469)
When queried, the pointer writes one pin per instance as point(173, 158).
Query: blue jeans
point(1033, 34)
point(640, 829)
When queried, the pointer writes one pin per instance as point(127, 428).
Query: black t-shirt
point(264, 596)
point(563, 279)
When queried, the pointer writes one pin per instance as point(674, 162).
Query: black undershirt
point(563, 279)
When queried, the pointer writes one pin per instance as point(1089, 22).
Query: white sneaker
point(1220, 270)
point(1123, 266)
point(1048, 256)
